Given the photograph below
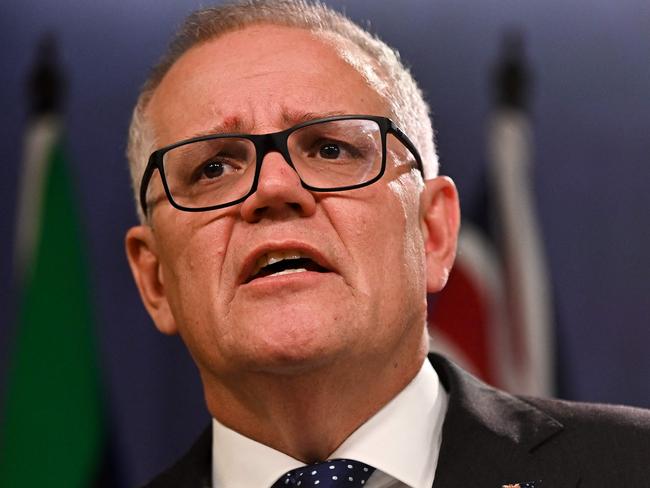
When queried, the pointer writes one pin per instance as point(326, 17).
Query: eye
point(329, 151)
point(217, 169)
point(213, 169)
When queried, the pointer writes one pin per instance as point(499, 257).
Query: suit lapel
point(491, 438)
point(193, 470)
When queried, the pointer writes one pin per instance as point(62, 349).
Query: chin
point(292, 363)
point(277, 348)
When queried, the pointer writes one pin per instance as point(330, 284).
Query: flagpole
point(517, 230)
point(45, 90)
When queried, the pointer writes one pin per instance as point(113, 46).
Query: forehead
point(257, 79)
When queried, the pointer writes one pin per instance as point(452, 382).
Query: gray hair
point(393, 81)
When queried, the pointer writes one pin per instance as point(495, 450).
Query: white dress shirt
point(402, 441)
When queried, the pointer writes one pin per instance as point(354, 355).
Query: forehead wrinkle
point(234, 124)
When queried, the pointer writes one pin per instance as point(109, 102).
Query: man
point(292, 224)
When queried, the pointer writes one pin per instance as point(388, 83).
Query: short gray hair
point(397, 86)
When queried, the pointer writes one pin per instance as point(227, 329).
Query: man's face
point(369, 303)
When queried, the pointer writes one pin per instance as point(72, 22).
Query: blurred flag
point(51, 432)
point(495, 316)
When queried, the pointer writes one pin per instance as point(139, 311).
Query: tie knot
point(336, 473)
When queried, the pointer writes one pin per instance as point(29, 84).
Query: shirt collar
point(402, 440)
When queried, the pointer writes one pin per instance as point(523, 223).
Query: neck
point(308, 415)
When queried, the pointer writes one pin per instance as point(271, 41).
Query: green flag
point(51, 430)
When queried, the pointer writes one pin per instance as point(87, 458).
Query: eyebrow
point(295, 117)
point(229, 125)
point(236, 125)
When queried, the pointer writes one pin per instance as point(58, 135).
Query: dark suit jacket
point(491, 438)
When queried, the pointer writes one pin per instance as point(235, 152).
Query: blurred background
point(560, 88)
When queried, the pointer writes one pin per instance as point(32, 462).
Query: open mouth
point(281, 263)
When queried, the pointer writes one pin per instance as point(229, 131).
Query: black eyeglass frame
point(276, 141)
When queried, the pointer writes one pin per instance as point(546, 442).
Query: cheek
point(409, 243)
point(192, 267)
point(381, 231)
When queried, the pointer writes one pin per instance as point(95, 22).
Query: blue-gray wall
point(591, 110)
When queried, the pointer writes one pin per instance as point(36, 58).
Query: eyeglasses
point(329, 154)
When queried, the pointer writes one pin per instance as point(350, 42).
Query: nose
point(279, 193)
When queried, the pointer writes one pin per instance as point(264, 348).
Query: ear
point(142, 253)
point(440, 220)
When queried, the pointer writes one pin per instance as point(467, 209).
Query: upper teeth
point(274, 257)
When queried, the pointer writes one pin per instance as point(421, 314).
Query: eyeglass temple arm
point(403, 138)
point(144, 183)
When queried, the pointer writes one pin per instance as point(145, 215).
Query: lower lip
point(302, 278)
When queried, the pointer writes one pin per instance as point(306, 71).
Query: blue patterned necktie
point(337, 473)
